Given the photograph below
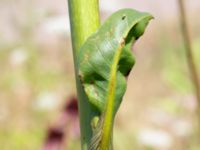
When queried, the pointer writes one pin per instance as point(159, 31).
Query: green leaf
point(104, 61)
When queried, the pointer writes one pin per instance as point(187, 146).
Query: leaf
point(105, 59)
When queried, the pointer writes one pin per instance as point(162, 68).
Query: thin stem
point(189, 55)
point(84, 20)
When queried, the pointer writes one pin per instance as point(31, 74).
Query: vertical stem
point(84, 20)
point(189, 55)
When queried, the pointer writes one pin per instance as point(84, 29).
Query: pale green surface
point(84, 20)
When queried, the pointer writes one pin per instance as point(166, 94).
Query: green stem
point(84, 20)
point(189, 54)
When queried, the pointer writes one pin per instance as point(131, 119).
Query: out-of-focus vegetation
point(37, 76)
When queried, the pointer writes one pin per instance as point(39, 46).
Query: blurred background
point(37, 77)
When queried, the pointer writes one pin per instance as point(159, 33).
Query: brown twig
point(189, 55)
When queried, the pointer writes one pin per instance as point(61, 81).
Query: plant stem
point(84, 20)
point(189, 55)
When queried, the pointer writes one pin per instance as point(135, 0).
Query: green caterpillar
point(105, 60)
